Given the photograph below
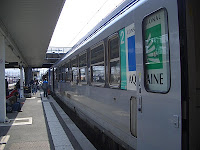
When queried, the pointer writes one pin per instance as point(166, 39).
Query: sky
point(78, 17)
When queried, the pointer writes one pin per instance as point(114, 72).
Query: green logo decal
point(153, 48)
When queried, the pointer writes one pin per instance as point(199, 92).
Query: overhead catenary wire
point(88, 21)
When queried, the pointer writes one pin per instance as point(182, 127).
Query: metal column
point(2, 80)
point(21, 82)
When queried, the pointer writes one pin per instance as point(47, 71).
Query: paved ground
point(31, 136)
point(42, 125)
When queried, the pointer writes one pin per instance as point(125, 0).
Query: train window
point(97, 65)
point(156, 52)
point(82, 59)
point(74, 63)
point(114, 61)
point(68, 72)
point(97, 54)
point(63, 73)
point(83, 67)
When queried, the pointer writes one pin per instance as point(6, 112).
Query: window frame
point(103, 62)
point(167, 57)
point(68, 65)
point(115, 35)
point(86, 70)
point(72, 79)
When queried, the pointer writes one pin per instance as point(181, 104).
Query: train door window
point(97, 65)
point(114, 61)
point(83, 67)
point(74, 63)
point(156, 52)
point(68, 72)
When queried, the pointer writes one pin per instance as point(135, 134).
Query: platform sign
point(128, 60)
point(156, 52)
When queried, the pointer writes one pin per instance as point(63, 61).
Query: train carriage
point(135, 75)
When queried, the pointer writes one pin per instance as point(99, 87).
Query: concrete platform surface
point(42, 125)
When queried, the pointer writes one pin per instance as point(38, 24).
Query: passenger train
point(136, 75)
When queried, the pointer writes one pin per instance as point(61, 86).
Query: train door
point(159, 83)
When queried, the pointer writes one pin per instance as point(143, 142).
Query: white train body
point(135, 75)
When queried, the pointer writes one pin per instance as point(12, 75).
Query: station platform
point(42, 125)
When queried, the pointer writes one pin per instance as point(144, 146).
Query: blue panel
point(131, 54)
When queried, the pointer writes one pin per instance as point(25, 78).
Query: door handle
point(140, 104)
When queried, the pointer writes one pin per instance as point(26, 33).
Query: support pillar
point(28, 75)
point(2, 80)
point(21, 82)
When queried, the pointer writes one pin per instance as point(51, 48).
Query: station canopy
point(27, 26)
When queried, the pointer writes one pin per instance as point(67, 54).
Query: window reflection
point(83, 67)
point(83, 75)
point(97, 66)
point(74, 71)
point(98, 74)
point(115, 73)
point(114, 62)
point(75, 75)
point(97, 54)
point(82, 60)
